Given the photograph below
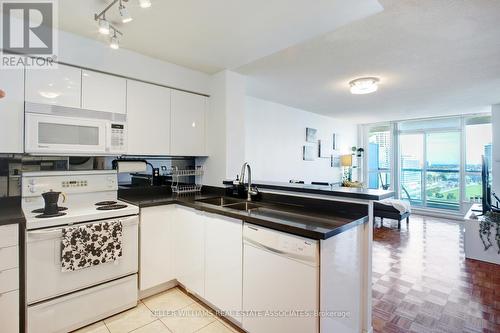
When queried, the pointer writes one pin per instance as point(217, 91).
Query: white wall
point(235, 123)
point(495, 113)
point(90, 53)
point(225, 128)
point(275, 134)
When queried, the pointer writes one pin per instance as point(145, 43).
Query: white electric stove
point(59, 301)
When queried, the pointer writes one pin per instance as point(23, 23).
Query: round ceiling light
point(364, 85)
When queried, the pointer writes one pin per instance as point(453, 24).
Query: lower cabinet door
point(189, 262)
point(224, 264)
point(156, 240)
point(9, 280)
point(9, 312)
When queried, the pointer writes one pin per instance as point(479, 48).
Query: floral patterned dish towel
point(90, 245)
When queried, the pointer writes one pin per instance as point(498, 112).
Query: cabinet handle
point(253, 228)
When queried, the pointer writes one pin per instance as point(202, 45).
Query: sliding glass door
point(430, 168)
point(433, 163)
point(442, 171)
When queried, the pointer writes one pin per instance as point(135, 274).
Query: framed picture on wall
point(334, 141)
point(311, 134)
point(324, 149)
point(308, 153)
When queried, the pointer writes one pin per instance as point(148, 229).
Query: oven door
point(49, 134)
point(43, 263)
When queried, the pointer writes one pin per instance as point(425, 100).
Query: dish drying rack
point(178, 175)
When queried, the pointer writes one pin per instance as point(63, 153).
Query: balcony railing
point(440, 189)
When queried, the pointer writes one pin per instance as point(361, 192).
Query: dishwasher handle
point(282, 244)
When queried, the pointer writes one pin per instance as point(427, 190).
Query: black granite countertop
point(346, 192)
point(311, 218)
point(11, 211)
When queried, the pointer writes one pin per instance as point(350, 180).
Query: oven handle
point(43, 232)
point(123, 220)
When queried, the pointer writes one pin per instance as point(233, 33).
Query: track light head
point(104, 26)
point(126, 18)
point(145, 3)
point(114, 42)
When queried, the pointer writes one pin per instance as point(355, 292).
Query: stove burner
point(111, 207)
point(42, 210)
point(43, 216)
point(105, 203)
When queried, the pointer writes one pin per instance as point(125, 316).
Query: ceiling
point(434, 57)
point(217, 34)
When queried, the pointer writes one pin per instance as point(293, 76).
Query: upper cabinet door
point(12, 111)
point(55, 86)
point(148, 119)
point(188, 124)
point(103, 92)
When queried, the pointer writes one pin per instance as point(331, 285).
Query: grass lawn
point(472, 190)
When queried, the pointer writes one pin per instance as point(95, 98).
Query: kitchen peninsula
point(225, 247)
point(326, 193)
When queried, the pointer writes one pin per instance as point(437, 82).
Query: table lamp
point(346, 163)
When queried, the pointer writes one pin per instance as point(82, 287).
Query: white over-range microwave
point(67, 131)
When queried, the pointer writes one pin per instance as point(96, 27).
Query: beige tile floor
point(191, 317)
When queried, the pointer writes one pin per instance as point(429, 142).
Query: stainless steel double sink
point(230, 203)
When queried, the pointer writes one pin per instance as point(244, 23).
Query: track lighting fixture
point(106, 28)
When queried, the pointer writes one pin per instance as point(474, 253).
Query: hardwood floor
point(423, 283)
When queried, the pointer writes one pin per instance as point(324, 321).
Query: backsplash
point(12, 167)
point(165, 164)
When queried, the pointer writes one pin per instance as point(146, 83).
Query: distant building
point(488, 154)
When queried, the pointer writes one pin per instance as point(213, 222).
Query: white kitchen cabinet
point(188, 124)
point(148, 118)
point(224, 262)
point(156, 238)
point(9, 279)
point(9, 312)
point(189, 244)
point(56, 86)
point(12, 111)
point(103, 92)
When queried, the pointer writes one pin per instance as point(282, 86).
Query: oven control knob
point(32, 189)
point(32, 182)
